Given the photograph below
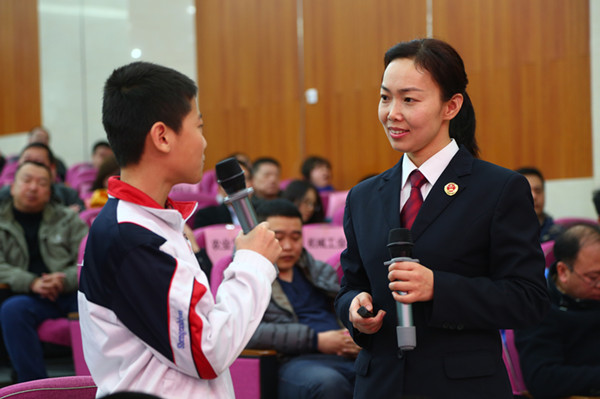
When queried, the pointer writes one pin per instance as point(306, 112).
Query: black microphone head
point(400, 243)
point(230, 176)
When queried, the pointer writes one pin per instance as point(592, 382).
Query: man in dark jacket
point(561, 356)
point(317, 353)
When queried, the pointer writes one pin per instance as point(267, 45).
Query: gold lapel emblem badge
point(451, 189)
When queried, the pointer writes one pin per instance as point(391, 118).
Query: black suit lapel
point(389, 196)
point(458, 172)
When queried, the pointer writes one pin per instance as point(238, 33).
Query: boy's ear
point(159, 137)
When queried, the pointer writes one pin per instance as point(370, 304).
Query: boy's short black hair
point(138, 95)
point(277, 207)
point(312, 162)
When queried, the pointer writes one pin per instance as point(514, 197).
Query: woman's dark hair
point(312, 162)
point(109, 167)
point(295, 192)
point(448, 70)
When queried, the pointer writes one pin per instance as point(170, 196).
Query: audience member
point(317, 170)
point(300, 322)
point(109, 167)
point(548, 230)
point(2, 162)
point(242, 157)
point(265, 178)
point(222, 213)
point(148, 320)
point(306, 198)
point(596, 199)
point(41, 153)
point(41, 134)
point(100, 151)
point(39, 243)
point(561, 356)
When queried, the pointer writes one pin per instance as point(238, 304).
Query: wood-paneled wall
point(528, 63)
point(529, 70)
point(20, 105)
point(248, 78)
point(344, 43)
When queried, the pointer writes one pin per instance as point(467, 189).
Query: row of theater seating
point(334, 210)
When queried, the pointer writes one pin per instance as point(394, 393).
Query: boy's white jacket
point(148, 320)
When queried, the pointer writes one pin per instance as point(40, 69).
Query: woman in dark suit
point(476, 236)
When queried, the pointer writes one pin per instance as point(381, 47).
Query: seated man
point(100, 152)
point(41, 134)
point(300, 323)
point(265, 179)
point(548, 230)
point(561, 356)
point(41, 153)
point(39, 243)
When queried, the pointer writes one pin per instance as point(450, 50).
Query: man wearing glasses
point(561, 356)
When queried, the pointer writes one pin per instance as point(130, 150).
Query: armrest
point(258, 352)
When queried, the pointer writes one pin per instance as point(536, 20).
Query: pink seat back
point(284, 183)
point(323, 240)
point(76, 169)
point(208, 184)
point(216, 273)
point(69, 387)
point(254, 377)
point(203, 199)
point(334, 261)
point(548, 249)
point(8, 173)
point(511, 361)
point(219, 240)
point(337, 200)
point(338, 217)
point(325, 200)
point(55, 331)
point(89, 215)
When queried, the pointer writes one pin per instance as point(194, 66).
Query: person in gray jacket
point(39, 243)
point(316, 352)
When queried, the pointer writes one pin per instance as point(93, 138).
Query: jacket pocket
point(469, 365)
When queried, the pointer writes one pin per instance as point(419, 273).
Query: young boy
point(148, 320)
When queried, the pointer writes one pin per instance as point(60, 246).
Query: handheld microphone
point(231, 177)
point(400, 246)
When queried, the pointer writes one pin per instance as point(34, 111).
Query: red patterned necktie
point(415, 200)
